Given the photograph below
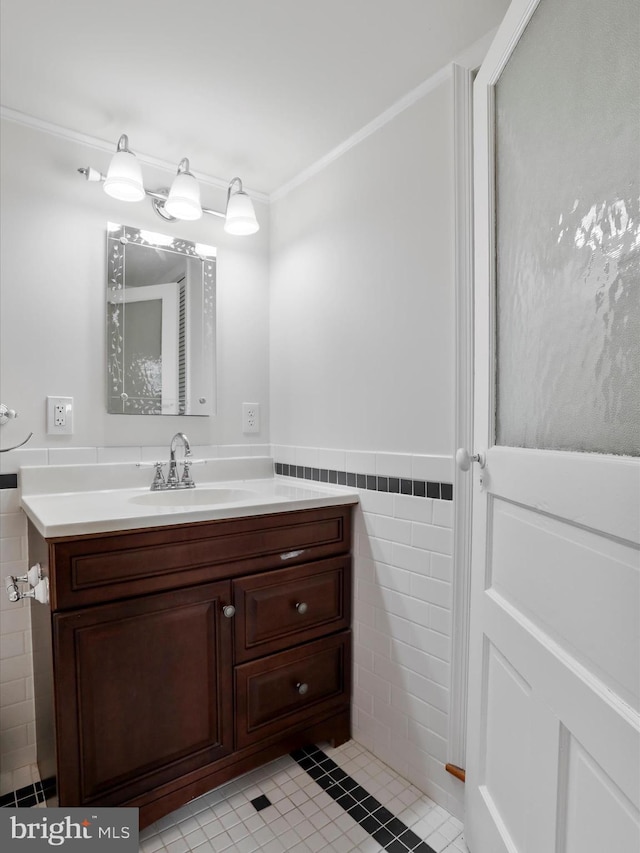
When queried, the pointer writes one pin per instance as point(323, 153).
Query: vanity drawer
point(275, 610)
point(104, 567)
point(280, 691)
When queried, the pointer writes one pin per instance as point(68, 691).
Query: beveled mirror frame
point(192, 363)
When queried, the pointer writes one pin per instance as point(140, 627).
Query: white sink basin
point(192, 497)
point(76, 500)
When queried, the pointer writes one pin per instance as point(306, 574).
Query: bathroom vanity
point(176, 656)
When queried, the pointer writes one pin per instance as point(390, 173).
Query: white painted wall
point(362, 293)
point(53, 299)
point(362, 379)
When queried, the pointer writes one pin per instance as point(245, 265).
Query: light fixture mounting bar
point(94, 176)
point(181, 202)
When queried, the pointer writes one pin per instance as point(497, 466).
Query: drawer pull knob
point(302, 688)
point(302, 607)
point(229, 611)
point(290, 555)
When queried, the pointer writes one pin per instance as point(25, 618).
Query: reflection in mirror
point(160, 324)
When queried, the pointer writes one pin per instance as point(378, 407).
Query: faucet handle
point(158, 479)
point(186, 479)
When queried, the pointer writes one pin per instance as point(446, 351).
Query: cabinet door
point(143, 692)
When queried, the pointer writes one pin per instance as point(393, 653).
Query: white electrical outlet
point(250, 417)
point(59, 415)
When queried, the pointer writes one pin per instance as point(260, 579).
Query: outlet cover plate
point(59, 415)
point(250, 418)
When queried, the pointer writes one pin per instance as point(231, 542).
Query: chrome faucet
point(159, 483)
point(172, 478)
point(172, 482)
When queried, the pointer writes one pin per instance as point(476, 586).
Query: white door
point(553, 745)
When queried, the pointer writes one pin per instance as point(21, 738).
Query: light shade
point(184, 196)
point(124, 178)
point(240, 218)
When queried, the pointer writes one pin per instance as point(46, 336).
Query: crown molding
point(473, 56)
point(470, 58)
point(8, 114)
point(384, 118)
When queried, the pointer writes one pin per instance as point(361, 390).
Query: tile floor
point(318, 799)
point(296, 813)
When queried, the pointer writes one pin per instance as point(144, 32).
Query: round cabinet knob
point(302, 688)
point(464, 459)
point(302, 607)
point(229, 611)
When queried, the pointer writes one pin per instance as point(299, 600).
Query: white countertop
point(63, 500)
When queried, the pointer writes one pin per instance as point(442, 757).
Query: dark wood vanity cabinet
point(175, 658)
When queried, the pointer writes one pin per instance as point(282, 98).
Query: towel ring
point(7, 414)
point(15, 446)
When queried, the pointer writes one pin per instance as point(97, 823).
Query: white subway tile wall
point(119, 454)
point(402, 553)
point(17, 716)
point(73, 455)
point(10, 463)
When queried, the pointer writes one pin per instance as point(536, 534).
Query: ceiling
point(258, 88)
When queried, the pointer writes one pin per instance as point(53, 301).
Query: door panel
point(559, 581)
point(554, 661)
point(587, 489)
point(598, 816)
point(507, 732)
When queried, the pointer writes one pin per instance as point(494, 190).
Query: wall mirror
point(160, 324)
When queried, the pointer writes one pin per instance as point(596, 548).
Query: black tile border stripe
point(30, 795)
point(389, 831)
point(8, 481)
point(394, 485)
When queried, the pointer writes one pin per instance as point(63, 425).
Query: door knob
point(464, 459)
point(229, 611)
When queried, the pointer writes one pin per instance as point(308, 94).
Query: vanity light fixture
point(123, 181)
